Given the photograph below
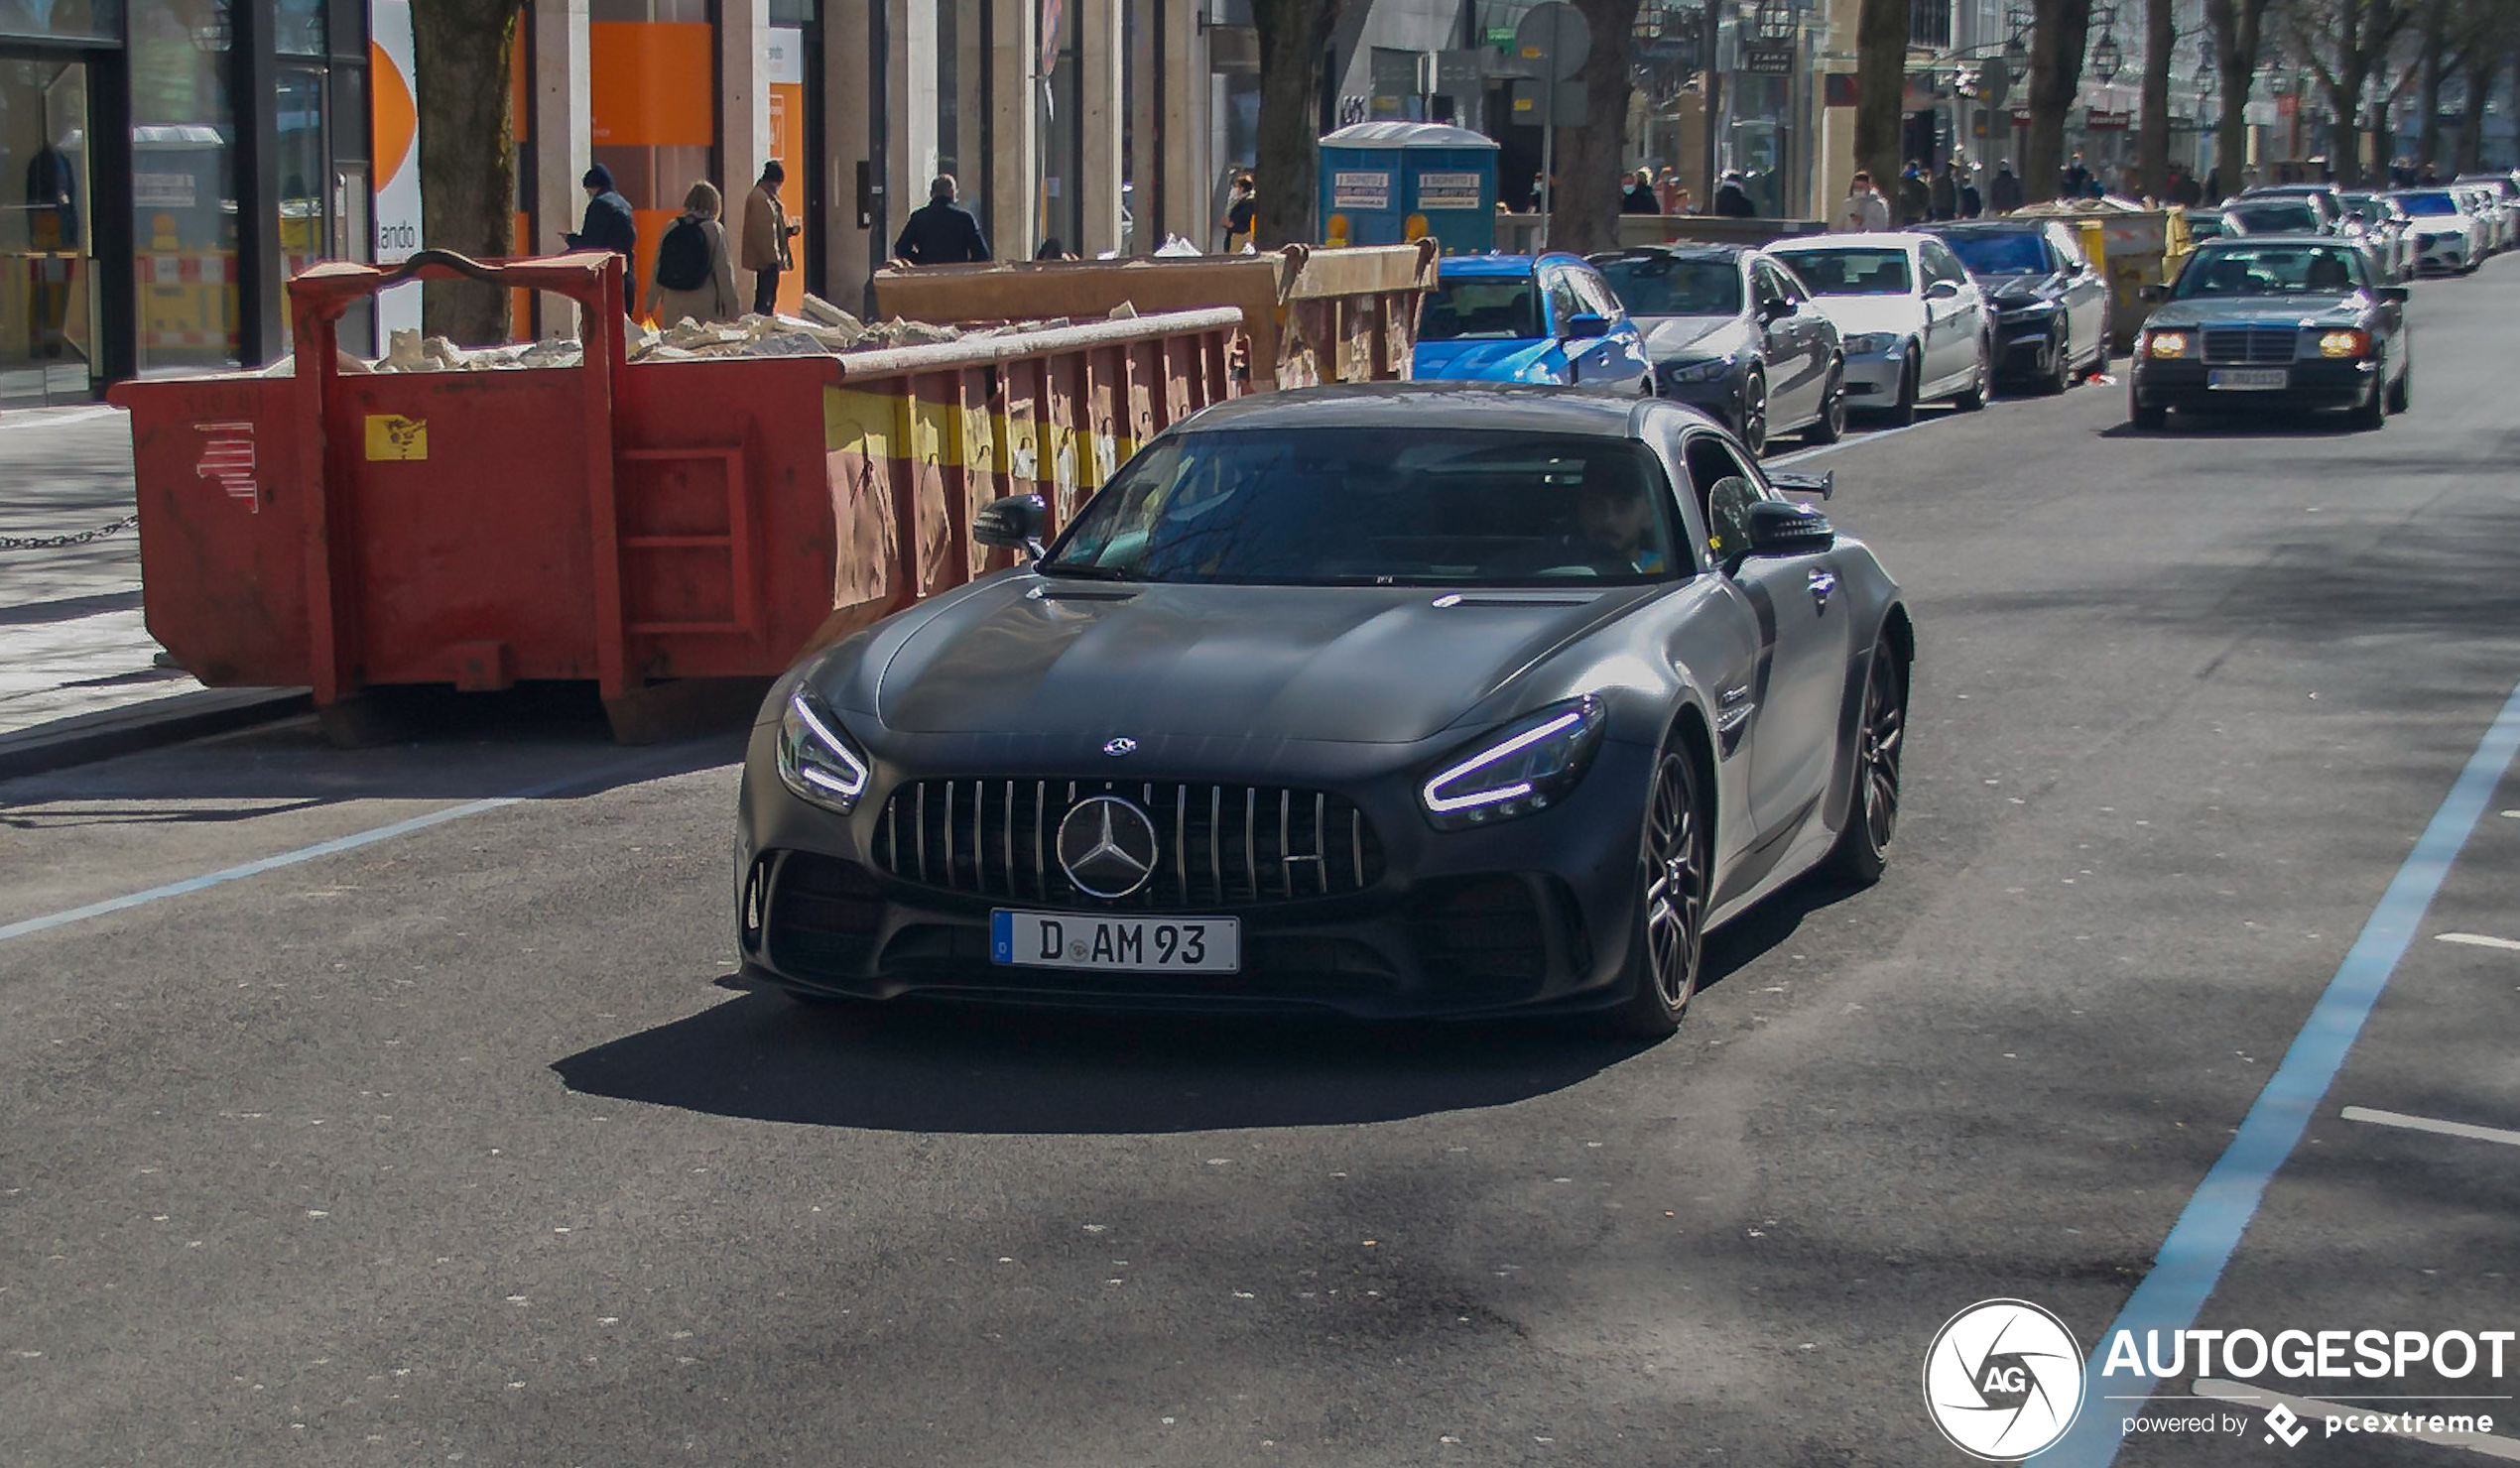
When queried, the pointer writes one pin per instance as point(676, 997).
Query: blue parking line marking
point(338, 844)
point(2200, 1246)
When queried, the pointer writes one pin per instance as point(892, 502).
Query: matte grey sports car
point(1414, 700)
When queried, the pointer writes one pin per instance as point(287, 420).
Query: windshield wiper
point(1085, 572)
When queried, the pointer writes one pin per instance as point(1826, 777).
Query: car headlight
point(2168, 344)
point(1865, 343)
point(1695, 371)
point(2345, 343)
point(1524, 767)
point(2028, 307)
point(816, 762)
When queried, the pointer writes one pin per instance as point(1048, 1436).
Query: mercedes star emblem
point(1123, 745)
point(1106, 846)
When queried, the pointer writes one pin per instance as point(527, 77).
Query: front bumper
point(2026, 344)
point(1531, 915)
point(2315, 382)
point(1872, 378)
point(2443, 252)
point(1719, 397)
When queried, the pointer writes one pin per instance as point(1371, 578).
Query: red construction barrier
point(620, 523)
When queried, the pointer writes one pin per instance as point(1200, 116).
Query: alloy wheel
point(1754, 414)
point(1877, 757)
point(1675, 877)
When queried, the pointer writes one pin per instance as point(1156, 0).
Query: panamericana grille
point(1217, 845)
point(2263, 346)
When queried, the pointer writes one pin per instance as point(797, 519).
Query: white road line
point(2311, 1411)
point(1800, 455)
point(77, 415)
point(2476, 940)
point(2514, 815)
point(2427, 1124)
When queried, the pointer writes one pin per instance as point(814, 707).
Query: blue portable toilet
point(1388, 182)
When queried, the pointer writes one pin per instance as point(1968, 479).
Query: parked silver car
point(1916, 327)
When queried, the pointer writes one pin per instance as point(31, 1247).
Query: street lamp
point(2107, 58)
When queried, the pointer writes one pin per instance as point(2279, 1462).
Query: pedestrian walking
point(1973, 203)
point(1666, 189)
point(1537, 201)
point(1864, 212)
point(607, 226)
point(1242, 208)
point(1732, 197)
point(1638, 197)
point(1944, 193)
point(2214, 184)
point(2076, 182)
point(693, 279)
point(2005, 192)
point(940, 231)
point(767, 230)
point(1916, 199)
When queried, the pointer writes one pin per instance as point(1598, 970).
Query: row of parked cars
point(1790, 337)
point(2438, 230)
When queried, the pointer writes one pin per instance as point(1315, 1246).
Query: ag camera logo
point(2003, 1380)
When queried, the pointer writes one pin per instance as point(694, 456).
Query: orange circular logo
point(395, 119)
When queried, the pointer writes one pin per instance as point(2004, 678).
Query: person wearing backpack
point(694, 277)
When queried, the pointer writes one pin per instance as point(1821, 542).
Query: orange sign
point(650, 84)
point(396, 119)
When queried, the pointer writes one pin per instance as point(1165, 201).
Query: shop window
point(64, 20)
point(184, 184)
point(652, 63)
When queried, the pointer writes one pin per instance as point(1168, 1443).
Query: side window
point(1942, 264)
point(1727, 490)
point(1786, 283)
point(1596, 294)
point(1562, 300)
point(2063, 244)
point(1768, 288)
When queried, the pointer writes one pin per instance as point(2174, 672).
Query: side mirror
point(1775, 310)
point(1587, 326)
point(1779, 529)
point(2394, 295)
point(1941, 291)
point(2153, 292)
point(1011, 524)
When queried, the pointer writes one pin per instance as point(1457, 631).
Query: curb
point(89, 737)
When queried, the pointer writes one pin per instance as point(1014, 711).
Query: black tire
point(1753, 427)
point(1667, 944)
point(2151, 419)
point(1832, 425)
point(1872, 796)
point(1903, 412)
point(2373, 412)
point(2101, 349)
point(2059, 373)
point(1973, 397)
point(2402, 391)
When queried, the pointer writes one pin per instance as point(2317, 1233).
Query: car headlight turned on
point(2168, 345)
point(1524, 767)
point(1865, 343)
point(816, 762)
point(1694, 371)
point(2339, 344)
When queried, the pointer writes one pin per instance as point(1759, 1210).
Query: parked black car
point(1732, 331)
point(2051, 306)
point(2297, 321)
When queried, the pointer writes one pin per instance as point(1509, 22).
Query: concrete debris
point(1124, 311)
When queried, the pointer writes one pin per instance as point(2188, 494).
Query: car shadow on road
point(2290, 422)
point(990, 1071)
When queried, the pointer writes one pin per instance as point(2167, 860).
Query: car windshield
point(1675, 285)
point(2276, 217)
point(2000, 252)
point(1481, 309)
point(1383, 506)
point(1851, 271)
point(2241, 269)
point(2205, 226)
point(2428, 205)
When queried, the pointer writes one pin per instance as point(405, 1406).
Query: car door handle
point(1822, 584)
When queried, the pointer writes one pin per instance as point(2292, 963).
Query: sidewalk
point(71, 637)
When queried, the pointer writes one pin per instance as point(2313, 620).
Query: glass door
point(48, 266)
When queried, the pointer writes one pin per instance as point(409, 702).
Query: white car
point(1915, 327)
point(2486, 202)
point(2448, 239)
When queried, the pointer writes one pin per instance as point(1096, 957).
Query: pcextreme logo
point(2003, 1380)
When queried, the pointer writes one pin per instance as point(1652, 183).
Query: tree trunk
point(1287, 173)
point(2471, 129)
point(2345, 139)
point(468, 155)
point(1881, 87)
point(2427, 128)
point(1583, 206)
point(2236, 24)
point(2152, 142)
point(2058, 30)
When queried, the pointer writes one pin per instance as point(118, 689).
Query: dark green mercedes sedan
point(2274, 321)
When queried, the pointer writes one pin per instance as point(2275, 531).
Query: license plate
point(2250, 379)
point(1137, 945)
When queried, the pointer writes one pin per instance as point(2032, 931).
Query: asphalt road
point(453, 1147)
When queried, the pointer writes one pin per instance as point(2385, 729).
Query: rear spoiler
point(1819, 484)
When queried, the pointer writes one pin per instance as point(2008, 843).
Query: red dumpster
point(620, 523)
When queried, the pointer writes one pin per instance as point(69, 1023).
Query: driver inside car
point(1615, 532)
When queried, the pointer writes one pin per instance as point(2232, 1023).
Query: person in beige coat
point(685, 287)
point(767, 230)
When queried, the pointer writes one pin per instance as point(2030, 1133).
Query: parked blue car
point(1545, 319)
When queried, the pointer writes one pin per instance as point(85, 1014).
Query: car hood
point(2286, 310)
point(2024, 290)
point(1473, 360)
point(1667, 337)
point(1360, 664)
point(1857, 314)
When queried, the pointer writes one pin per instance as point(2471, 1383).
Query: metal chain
point(56, 542)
